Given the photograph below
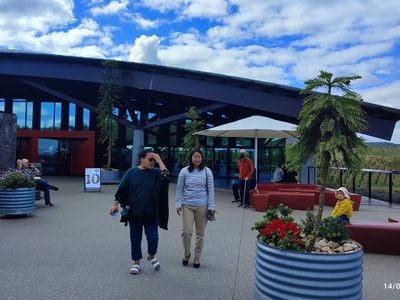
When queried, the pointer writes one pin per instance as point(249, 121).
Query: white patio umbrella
point(253, 127)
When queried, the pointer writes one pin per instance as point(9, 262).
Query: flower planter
point(287, 274)
point(17, 201)
point(109, 176)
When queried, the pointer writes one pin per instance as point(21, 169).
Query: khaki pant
point(196, 215)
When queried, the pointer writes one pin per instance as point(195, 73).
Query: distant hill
point(383, 145)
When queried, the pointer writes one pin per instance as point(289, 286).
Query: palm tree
point(327, 126)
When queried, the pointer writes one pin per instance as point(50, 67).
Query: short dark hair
point(191, 165)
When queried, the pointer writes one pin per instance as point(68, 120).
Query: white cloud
point(142, 22)
point(190, 8)
point(145, 50)
point(112, 8)
point(206, 8)
point(386, 95)
point(33, 16)
point(162, 5)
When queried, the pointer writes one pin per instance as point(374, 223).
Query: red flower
point(282, 233)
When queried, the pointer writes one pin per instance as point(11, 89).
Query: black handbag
point(125, 210)
point(125, 215)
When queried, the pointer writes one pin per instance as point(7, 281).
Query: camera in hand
point(211, 216)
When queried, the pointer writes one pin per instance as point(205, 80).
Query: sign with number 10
point(92, 179)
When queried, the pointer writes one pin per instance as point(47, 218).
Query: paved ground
point(75, 250)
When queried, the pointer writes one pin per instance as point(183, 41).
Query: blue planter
point(286, 274)
point(18, 201)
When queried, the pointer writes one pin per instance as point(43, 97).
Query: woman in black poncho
point(145, 190)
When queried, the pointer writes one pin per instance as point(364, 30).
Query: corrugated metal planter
point(286, 274)
point(18, 201)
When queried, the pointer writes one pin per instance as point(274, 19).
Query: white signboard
point(92, 179)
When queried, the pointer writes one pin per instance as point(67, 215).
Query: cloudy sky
point(282, 41)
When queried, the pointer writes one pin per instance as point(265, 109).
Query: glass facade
point(50, 116)
point(86, 119)
point(72, 116)
point(221, 154)
point(24, 112)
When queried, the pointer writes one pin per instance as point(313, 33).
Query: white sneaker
point(135, 269)
point(155, 263)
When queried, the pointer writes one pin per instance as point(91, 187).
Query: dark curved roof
point(165, 91)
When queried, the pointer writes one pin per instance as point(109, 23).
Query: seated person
point(41, 184)
point(278, 174)
point(289, 175)
point(343, 209)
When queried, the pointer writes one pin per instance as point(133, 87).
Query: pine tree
point(193, 124)
point(110, 91)
point(328, 126)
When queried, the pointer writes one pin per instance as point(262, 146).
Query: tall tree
point(328, 125)
point(193, 124)
point(110, 91)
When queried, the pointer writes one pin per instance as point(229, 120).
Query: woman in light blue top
point(194, 201)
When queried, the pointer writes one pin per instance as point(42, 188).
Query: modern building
point(55, 97)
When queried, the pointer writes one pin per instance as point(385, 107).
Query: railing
point(378, 184)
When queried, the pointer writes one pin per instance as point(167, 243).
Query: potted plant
point(284, 270)
point(17, 192)
point(288, 263)
point(110, 91)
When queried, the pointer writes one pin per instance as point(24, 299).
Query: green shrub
point(333, 230)
point(13, 179)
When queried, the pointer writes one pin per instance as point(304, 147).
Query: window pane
point(72, 116)
point(243, 142)
point(151, 139)
point(29, 115)
point(47, 115)
point(86, 118)
point(172, 140)
point(220, 162)
point(2, 104)
point(128, 116)
point(19, 109)
point(57, 115)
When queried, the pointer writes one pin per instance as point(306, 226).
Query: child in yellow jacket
point(343, 209)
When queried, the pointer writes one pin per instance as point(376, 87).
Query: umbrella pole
point(256, 155)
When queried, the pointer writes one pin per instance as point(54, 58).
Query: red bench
point(294, 200)
point(376, 237)
point(330, 199)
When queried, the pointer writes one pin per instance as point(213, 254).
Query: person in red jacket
point(246, 170)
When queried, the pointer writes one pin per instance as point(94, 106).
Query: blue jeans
point(343, 219)
point(136, 232)
point(42, 185)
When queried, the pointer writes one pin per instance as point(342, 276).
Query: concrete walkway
point(75, 250)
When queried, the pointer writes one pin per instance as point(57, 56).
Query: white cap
point(344, 191)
